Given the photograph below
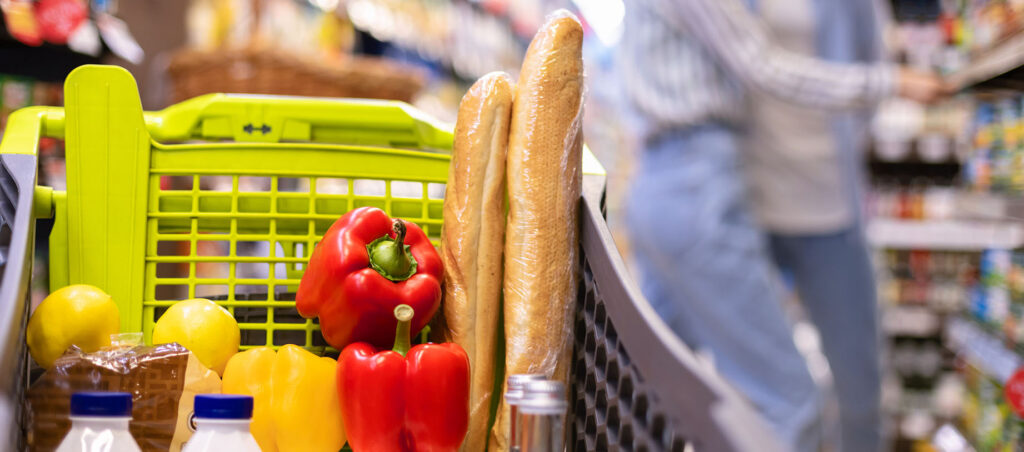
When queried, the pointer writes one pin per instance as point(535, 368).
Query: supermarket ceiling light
point(604, 17)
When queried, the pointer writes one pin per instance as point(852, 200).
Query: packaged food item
point(99, 422)
point(162, 380)
point(295, 398)
point(995, 271)
point(222, 424)
point(406, 395)
point(473, 237)
point(977, 171)
point(58, 19)
point(21, 21)
point(544, 179)
point(366, 265)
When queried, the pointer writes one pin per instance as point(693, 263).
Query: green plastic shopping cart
point(224, 196)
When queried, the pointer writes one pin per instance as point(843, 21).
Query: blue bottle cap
point(113, 404)
point(223, 406)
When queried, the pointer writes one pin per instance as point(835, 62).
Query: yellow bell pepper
point(295, 398)
point(249, 373)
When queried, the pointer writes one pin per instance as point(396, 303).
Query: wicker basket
point(261, 71)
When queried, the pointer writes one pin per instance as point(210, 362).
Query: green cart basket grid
point(180, 198)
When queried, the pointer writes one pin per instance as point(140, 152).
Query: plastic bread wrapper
point(544, 186)
point(473, 240)
point(162, 379)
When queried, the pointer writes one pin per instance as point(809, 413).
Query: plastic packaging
point(544, 180)
point(222, 424)
point(473, 239)
point(99, 423)
point(162, 381)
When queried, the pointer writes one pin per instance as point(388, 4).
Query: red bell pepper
point(404, 400)
point(365, 266)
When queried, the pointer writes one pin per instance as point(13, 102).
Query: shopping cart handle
point(271, 119)
point(26, 126)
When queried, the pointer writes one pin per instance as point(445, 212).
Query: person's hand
point(923, 87)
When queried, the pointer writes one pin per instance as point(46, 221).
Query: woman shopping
point(689, 67)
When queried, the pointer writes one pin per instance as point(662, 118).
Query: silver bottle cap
point(516, 384)
point(543, 397)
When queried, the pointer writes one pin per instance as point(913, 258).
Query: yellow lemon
point(209, 331)
point(80, 315)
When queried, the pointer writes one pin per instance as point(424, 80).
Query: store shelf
point(991, 206)
point(944, 235)
point(999, 66)
point(982, 349)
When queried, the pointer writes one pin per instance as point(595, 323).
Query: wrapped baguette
point(544, 178)
point(473, 239)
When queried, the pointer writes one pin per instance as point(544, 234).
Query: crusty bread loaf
point(544, 177)
point(473, 238)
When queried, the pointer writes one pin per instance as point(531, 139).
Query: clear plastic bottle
point(222, 424)
point(99, 423)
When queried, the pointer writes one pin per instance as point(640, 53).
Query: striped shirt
point(687, 62)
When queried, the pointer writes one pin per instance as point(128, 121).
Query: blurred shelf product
point(937, 282)
point(997, 302)
point(984, 46)
point(312, 28)
point(988, 421)
point(904, 130)
point(950, 235)
point(994, 160)
point(282, 47)
point(983, 349)
point(991, 206)
point(942, 399)
point(921, 199)
point(469, 38)
point(45, 39)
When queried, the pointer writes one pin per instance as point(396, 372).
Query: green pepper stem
point(391, 257)
point(399, 227)
point(404, 314)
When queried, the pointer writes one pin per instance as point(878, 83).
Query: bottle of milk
point(99, 423)
point(222, 424)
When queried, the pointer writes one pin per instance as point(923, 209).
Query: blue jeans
point(833, 277)
point(705, 268)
